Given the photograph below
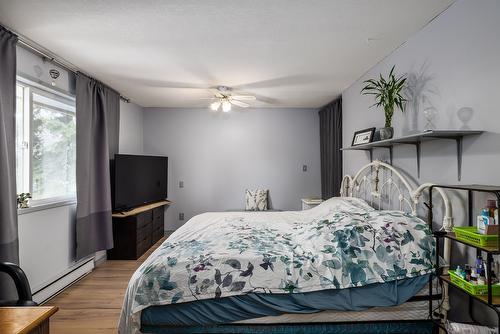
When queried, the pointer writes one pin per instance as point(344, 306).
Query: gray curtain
point(330, 135)
point(9, 245)
point(97, 128)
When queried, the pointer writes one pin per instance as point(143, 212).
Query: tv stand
point(135, 231)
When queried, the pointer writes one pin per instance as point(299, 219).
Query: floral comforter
point(340, 244)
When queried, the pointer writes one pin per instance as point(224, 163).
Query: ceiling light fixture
point(223, 98)
point(226, 106)
point(215, 105)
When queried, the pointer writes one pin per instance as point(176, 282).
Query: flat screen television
point(138, 180)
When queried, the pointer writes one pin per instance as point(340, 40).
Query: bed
point(346, 261)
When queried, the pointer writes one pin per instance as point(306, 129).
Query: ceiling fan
point(224, 99)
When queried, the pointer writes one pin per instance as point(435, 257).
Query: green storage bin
point(473, 289)
point(470, 235)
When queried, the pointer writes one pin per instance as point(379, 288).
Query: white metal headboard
point(379, 183)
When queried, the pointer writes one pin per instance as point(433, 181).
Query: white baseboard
point(100, 257)
point(67, 278)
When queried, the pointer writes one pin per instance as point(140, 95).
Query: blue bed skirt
point(206, 314)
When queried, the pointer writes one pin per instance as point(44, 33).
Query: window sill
point(46, 206)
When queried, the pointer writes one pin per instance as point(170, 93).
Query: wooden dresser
point(135, 231)
point(26, 320)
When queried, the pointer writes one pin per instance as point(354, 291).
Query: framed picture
point(363, 136)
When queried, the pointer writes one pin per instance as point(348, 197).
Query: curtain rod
point(29, 44)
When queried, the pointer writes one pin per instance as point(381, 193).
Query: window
point(45, 143)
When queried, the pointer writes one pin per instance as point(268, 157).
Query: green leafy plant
point(22, 200)
point(387, 92)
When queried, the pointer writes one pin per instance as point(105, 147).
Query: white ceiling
point(289, 53)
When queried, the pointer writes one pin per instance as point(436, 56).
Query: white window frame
point(26, 139)
point(30, 88)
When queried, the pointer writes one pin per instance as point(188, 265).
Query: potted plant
point(22, 200)
point(387, 92)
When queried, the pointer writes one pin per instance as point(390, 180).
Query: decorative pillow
point(256, 200)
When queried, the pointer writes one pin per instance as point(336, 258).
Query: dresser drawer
point(158, 234)
point(144, 231)
point(144, 218)
point(158, 223)
point(157, 212)
point(143, 246)
point(158, 220)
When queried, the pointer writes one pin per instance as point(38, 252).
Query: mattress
point(415, 310)
point(407, 311)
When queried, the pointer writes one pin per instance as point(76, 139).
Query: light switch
point(181, 215)
point(181, 184)
point(304, 168)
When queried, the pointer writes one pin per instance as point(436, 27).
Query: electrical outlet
point(181, 184)
point(181, 215)
point(304, 168)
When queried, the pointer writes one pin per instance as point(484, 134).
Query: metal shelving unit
point(491, 301)
point(416, 140)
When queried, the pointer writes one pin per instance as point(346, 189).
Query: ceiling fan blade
point(216, 92)
point(257, 97)
point(209, 98)
point(243, 97)
point(167, 84)
point(240, 104)
point(265, 99)
point(290, 80)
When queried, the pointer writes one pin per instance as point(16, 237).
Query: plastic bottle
point(458, 271)
point(468, 273)
point(495, 215)
point(483, 221)
point(473, 276)
point(479, 265)
point(491, 205)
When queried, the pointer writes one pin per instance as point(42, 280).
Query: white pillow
point(256, 200)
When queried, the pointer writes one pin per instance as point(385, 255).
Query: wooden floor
point(93, 304)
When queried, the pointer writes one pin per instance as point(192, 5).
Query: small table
point(26, 320)
point(309, 203)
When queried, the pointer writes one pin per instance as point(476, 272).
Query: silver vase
point(386, 133)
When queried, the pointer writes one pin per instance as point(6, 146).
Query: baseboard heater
point(66, 278)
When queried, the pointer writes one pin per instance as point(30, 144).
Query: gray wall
point(454, 68)
point(218, 156)
point(131, 126)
